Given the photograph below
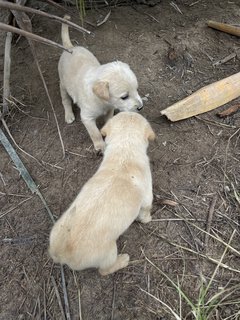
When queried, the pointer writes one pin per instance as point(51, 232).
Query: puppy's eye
point(126, 96)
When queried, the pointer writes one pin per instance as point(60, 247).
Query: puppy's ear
point(150, 135)
point(101, 90)
point(106, 129)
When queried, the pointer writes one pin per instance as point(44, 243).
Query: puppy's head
point(118, 86)
point(130, 126)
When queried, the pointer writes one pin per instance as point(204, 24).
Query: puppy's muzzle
point(140, 108)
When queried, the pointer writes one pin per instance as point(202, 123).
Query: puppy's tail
point(65, 34)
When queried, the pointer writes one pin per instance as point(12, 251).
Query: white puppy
point(118, 193)
point(96, 89)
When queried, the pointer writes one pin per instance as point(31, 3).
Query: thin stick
point(6, 75)
point(212, 236)
point(104, 20)
point(79, 296)
point(13, 208)
point(226, 154)
point(44, 301)
point(224, 60)
point(163, 303)
point(176, 219)
point(209, 219)
point(12, 6)
point(53, 3)
point(23, 171)
point(25, 23)
point(113, 301)
point(32, 36)
point(220, 261)
point(58, 297)
point(67, 309)
point(13, 140)
point(49, 99)
point(223, 265)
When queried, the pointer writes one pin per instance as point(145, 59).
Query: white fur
point(96, 89)
point(118, 193)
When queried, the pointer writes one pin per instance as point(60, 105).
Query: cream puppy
point(96, 89)
point(118, 193)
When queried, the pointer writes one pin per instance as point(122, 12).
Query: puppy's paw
point(144, 217)
point(99, 147)
point(123, 260)
point(69, 117)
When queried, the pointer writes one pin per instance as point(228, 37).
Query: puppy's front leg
point(94, 133)
point(67, 103)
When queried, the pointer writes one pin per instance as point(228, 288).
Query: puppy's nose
point(139, 104)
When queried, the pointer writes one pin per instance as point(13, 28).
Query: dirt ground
point(194, 162)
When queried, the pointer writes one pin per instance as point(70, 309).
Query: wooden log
point(207, 98)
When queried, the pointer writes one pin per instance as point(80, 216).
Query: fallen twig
point(25, 23)
point(6, 75)
point(226, 156)
point(67, 309)
point(32, 36)
point(224, 60)
point(12, 6)
point(58, 297)
point(104, 20)
point(175, 6)
point(13, 208)
point(79, 296)
point(19, 240)
point(168, 202)
point(176, 316)
point(23, 171)
point(223, 265)
point(209, 220)
point(64, 9)
point(224, 27)
point(15, 143)
point(236, 252)
point(113, 301)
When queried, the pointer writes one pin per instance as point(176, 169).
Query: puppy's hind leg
point(144, 215)
point(112, 261)
point(67, 103)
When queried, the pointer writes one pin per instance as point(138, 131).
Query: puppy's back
point(103, 210)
